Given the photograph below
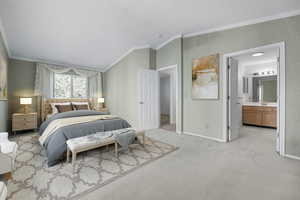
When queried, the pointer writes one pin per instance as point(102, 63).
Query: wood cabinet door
point(252, 117)
point(269, 119)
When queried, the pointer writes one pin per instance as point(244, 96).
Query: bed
point(72, 124)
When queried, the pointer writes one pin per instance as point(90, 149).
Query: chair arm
point(3, 191)
point(8, 147)
point(3, 136)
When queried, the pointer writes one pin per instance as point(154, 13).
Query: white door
point(148, 99)
point(234, 104)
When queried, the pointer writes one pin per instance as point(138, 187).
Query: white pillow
point(54, 109)
point(82, 103)
point(48, 116)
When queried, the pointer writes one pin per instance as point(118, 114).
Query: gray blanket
point(56, 146)
point(125, 139)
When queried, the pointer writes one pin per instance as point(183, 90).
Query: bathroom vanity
point(260, 114)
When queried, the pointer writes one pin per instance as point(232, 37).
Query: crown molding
point(168, 41)
point(57, 63)
point(245, 23)
point(231, 26)
point(2, 31)
point(124, 55)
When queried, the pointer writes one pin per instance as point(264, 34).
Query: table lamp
point(101, 101)
point(25, 101)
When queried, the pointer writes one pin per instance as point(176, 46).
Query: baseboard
point(292, 157)
point(204, 137)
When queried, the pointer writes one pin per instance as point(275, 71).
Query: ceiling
point(270, 55)
point(96, 33)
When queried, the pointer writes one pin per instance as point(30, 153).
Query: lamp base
point(26, 109)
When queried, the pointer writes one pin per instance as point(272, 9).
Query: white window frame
point(72, 89)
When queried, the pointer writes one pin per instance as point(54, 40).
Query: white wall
point(165, 95)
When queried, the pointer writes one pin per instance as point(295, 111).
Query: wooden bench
point(85, 143)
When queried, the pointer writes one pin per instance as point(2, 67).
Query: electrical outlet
point(206, 126)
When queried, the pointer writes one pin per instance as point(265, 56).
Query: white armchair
point(8, 153)
point(3, 191)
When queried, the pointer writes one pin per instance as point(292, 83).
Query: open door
point(148, 99)
point(278, 103)
point(234, 104)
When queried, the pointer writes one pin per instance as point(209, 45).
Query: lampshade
point(100, 100)
point(25, 100)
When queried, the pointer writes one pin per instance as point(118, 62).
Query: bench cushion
point(98, 139)
point(77, 144)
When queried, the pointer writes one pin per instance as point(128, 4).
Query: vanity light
point(257, 54)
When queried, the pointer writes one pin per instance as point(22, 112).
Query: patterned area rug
point(32, 179)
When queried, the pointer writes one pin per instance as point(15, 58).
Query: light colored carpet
point(33, 180)
point(245, 169)
point(169, 127)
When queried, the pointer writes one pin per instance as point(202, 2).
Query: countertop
point(268, 104)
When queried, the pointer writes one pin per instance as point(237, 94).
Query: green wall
point(120, 84)
point(205, 116)
point(21, 77)
point(170, 54)
point(3, 103)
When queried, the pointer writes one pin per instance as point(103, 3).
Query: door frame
point(281, 95)
point(178, 88)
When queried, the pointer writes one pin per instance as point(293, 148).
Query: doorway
point(170, 94)
point(255, 94)
point(167, 100)
point(148, 98)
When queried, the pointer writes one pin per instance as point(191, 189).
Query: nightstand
point(24, 121)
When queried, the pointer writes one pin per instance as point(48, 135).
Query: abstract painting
point(205, 77)
point(3, 78)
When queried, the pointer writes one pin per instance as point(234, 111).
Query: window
point(70, 86)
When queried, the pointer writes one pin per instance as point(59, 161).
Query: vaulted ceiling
point(95, 33)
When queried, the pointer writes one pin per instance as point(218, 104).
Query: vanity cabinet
point(260, 116)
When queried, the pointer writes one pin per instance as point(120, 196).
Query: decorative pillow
point(54, 109)
point(64, 108)
point(81, 103)
point(81, 107)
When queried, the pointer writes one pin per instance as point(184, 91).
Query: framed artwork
point(205, 77)
point(3, 78)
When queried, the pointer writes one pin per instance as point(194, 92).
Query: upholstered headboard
point(46, 105)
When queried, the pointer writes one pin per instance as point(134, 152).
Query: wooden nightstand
point(21, 121)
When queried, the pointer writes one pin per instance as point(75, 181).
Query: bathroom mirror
point(265, 89)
